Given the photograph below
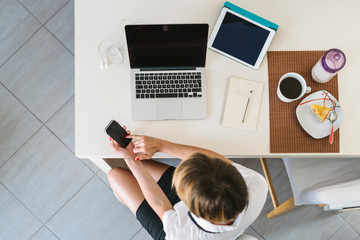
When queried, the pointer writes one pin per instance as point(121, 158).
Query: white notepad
point(242, 103)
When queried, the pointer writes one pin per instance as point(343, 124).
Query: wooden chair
point(332, 183)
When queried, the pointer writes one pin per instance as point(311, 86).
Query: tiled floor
point(45, 191)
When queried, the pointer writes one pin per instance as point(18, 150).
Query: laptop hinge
point(168, 69)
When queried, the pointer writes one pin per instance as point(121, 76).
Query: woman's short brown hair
point(212, 188)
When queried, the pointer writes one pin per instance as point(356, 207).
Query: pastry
point(321, 112)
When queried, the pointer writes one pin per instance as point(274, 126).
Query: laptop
point(167, 64)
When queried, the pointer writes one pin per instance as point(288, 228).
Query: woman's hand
point(127, 152)
point(123, 152)
point(144, 146)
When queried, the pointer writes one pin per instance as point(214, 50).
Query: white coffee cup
point(291, 87)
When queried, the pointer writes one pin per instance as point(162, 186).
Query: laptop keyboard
point(168, 85)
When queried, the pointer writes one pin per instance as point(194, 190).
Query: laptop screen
point(167, 46)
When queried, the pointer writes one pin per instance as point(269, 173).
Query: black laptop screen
point(167, 46)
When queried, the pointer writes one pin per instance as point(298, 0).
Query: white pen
point(247, 104)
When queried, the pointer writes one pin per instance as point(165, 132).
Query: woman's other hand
point(144, 146)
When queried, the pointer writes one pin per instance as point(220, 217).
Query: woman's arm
point(150, 189)
point(146, 147)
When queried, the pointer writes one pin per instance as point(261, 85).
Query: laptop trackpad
point(169, 109)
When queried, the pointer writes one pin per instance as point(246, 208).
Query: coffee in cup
point(291, 87)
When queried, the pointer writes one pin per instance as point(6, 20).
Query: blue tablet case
point(251, 16)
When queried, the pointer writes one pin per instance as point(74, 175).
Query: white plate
point(308, 120)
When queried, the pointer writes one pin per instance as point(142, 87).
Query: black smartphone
point(116, 132)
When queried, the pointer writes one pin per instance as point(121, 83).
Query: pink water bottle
point(328, 65)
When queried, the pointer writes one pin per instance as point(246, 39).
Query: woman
point(211, 198)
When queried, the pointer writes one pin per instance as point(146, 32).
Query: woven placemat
point(286, 133)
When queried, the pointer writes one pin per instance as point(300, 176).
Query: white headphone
point(107, 52)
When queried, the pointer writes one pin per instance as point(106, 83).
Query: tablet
point(240, 38)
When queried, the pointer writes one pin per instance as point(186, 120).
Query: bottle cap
point(333, 60)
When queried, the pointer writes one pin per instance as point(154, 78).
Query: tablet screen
point(240, 38)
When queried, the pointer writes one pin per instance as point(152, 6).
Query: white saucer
point(308, 120)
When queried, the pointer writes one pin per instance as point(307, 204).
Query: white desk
point(102, 95)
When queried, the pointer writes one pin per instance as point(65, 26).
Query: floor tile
point(353, 218)
point(62, 25)
point(62, 124)
point(16, 222)
point(44, 174)
point(142, 235)
point(103, 177)
point(345, 232)
point(17, 25)
point(43, 9)
point(250, 231)
point(44, 234)
point(94, 213)
point(40, 74)
point(90, 165)
point(17, 125)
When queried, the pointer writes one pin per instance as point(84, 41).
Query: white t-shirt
point(178, 224)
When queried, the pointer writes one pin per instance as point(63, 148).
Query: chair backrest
point(330, 181)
